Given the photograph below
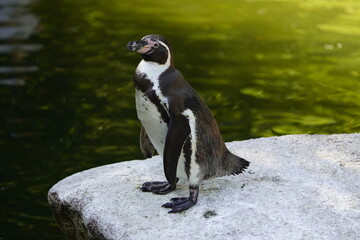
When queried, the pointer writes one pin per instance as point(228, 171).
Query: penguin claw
point(167, 205)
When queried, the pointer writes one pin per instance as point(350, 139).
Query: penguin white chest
point(151, 119)
point(148, 112)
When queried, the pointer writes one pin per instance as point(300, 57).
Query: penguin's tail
point(234, 165)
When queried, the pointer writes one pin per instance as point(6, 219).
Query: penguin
point(177, 124)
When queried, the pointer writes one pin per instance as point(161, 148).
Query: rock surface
point(297, 187)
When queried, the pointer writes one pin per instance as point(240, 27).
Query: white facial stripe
point(169, 53)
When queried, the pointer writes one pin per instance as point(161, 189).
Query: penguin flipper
point(178, 132)
point(146, 146)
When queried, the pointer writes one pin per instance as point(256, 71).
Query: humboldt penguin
point(177, 124)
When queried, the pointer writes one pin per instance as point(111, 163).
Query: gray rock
point(297, 187)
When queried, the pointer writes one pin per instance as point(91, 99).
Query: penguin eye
point(156, 45)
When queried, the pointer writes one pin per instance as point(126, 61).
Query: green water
point(265, 68)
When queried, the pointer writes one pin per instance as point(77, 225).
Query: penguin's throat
point(152, 70)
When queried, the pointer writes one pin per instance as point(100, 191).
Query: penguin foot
point(175, 201)
point(157, 187)
point(179, 204)
point(183, 203)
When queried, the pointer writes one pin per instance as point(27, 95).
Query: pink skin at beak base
point(144, 49)
point(148, 47)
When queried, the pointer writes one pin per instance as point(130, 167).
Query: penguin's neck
point(152, 70)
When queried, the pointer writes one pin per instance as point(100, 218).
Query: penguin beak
point(140, 46)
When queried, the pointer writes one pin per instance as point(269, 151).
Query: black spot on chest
point(144, 85)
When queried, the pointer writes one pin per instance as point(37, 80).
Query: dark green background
point(265, 68)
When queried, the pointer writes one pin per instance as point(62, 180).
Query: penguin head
point(153, 48)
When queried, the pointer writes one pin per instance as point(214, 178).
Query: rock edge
point(297, 187)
